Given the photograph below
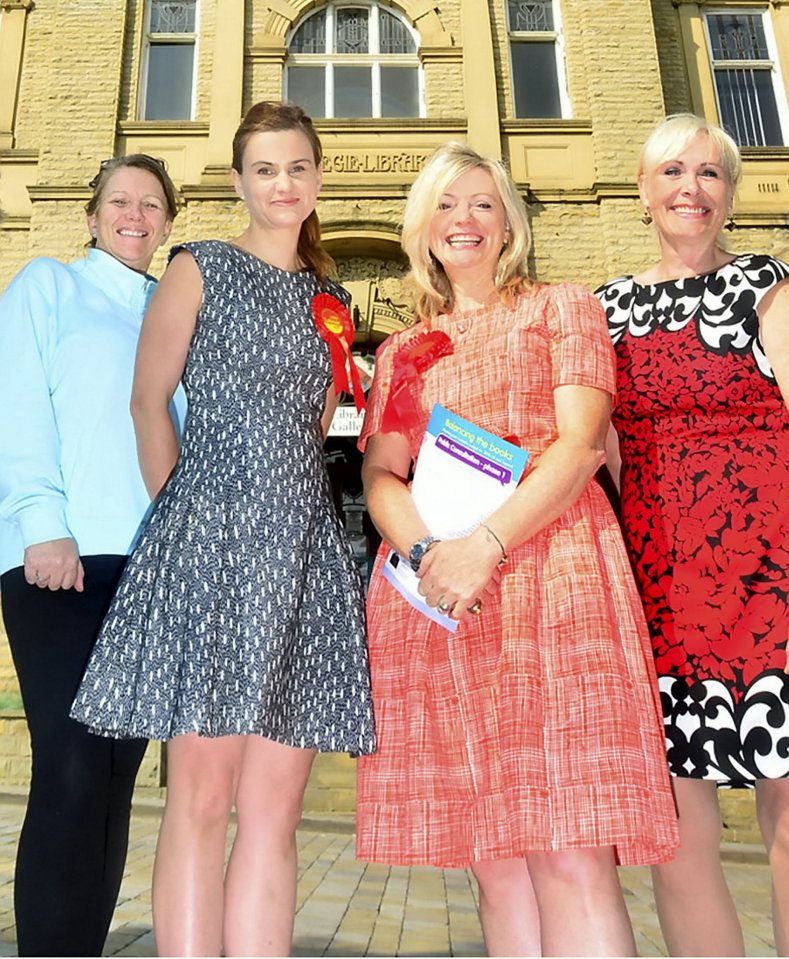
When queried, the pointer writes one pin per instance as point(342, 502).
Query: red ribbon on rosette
point(335, 326)
point(410, 362)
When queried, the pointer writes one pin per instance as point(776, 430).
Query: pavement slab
point(348, 908)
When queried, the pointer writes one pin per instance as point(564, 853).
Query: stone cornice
point(764, 153)
point(8, 222)
point(439, 52)
point(547, 126)
point(208, 191)
point(776, 4)
point(18, 156)
point(173, 128)
point(8, 6)
point(41, 192)
point(267, 52)
point(405, 125)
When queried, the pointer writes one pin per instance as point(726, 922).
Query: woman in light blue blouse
point(71, 503)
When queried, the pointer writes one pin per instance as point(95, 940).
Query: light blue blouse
point(68, 457)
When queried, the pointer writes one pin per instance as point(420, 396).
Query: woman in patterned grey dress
point(237, 632)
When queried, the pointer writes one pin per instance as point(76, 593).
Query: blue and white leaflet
point(463, 475)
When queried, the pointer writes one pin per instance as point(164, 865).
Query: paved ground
point(347, 908)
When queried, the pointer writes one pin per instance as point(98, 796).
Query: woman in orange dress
point(527, 745)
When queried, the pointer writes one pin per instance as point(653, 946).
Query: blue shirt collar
point(120, 283)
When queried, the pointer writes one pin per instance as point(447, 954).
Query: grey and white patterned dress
point(241, 610)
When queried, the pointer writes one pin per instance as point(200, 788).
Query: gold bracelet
point(501, 545)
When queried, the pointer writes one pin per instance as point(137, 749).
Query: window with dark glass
point(169, 60)
point(354, 61)
point(742, 54)
point(535, 57)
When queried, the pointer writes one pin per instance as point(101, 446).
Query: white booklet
point(463, 474)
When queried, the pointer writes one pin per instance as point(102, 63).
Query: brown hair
point(270, 116)
point(140, 161)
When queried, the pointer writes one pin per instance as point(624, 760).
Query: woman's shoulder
point(47, 268)
point(335, 289)
point(396, 341)
point(612, 289)
point(565, 297)
point(43, 275)
point(759, 271)
point(199, 248)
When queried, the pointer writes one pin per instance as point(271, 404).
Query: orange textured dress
point(536, 726)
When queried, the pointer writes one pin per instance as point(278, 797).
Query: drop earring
point(646, 219)
point(731, 225)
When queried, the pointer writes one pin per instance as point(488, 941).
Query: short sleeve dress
point(704, 435)
point(536, 725)
point(241, 609)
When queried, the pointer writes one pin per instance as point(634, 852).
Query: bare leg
point(508, 909)
point(188, 875)
point(582, 909)
point(260, 887)
point(696, 911)
point(772, 808)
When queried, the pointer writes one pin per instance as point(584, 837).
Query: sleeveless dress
point(704, 435)
point(536, 726)
point(241, 608)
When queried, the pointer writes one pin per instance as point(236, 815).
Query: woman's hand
point(54, 564)
point(460, 573)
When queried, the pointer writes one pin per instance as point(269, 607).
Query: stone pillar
point(13, 17)
point(227, 83)
point(479, 78)
point(615, 41)
point(694, 43)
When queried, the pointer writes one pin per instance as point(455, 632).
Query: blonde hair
point(673, 135)
point(433, 289)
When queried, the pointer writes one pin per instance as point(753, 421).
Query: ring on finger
point(476, 607)
point(443, 607)
point(37, 578)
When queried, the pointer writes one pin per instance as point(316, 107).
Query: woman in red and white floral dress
point(526, 745)
point(702, 343)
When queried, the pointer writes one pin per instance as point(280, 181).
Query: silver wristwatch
point(417, 552)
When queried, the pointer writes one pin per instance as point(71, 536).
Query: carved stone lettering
point(379, 163)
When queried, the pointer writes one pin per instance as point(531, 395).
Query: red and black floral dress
point(704, 435)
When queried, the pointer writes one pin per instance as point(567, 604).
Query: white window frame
point(153, 39)
point(771, 66)
point(375, 61)
point(556, 36)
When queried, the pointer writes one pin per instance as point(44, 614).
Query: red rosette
point(334, 323)
point(415, 356)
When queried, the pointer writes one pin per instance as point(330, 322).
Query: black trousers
point(72, 848)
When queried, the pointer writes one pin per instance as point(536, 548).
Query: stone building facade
point(564, 90)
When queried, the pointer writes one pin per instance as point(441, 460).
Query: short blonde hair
point(427, 276)
point(673, 135)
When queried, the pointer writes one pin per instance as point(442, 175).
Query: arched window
point(169, 60)
point(355, 60)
